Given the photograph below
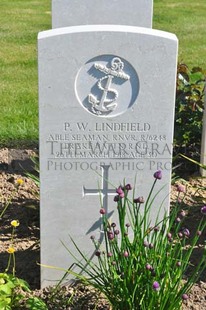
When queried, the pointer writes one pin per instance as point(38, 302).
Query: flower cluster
point(143, 259)
point(122, 191)
point(11, 249)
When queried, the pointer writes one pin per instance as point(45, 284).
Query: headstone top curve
point(106, 28)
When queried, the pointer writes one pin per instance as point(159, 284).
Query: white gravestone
point(89, 12)
point(106, 108)
point(203, 143)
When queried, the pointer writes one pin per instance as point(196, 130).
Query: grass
point(186, 19)
point(21, 20)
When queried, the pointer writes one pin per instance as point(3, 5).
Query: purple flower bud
point(146, 244)
point(158, 175)
point(113, 225)
point(127, 225)
point(199, 233)
point(203, 210)
point(186, 232)
point(169, 235)
point(178, 264)
point(116, 231)
point(139, 200)
point(156, 228)
point(119, 190)
point(178, 220)
point(156, 286)
point(180, 188)
point(128, 187)
point(110, 235)
point(151, 245)
point(92, 237)
point(98, 253)
point(116, 198)
point(148, 267)
point(185, 297)
point(182, 213)
point(121, 195)
point(109, 254)
point(125, 254)
point(180, 235)
point(102, 211)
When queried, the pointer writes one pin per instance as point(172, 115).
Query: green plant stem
point(8, 203)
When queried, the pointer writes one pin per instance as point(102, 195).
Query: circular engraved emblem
point(107, 86)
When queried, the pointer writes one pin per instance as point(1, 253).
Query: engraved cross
point(104, 191)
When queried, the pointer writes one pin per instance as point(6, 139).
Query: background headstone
point(106, 107)
point(89, 12)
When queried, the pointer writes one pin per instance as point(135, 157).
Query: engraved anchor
point(106, 105)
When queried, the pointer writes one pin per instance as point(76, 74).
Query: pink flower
point(169, 235)
point(185, 297)
point(182, 213)
point(148, 267)
point(120, 192)
point(125, 254)
point(181, 188)
point(180, 235)
point(110, 235)
point(146, 244)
